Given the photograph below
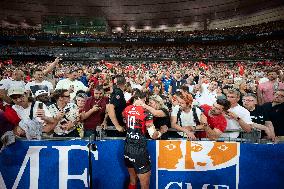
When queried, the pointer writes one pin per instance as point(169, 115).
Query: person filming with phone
point(34, 116)
point(65, 114)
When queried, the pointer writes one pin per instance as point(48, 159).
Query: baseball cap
point(16, 90)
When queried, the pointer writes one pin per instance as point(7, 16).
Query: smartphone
point(63, 122)
point(67, 110)
point(40, 105)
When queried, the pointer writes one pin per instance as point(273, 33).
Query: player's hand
point(120, 128)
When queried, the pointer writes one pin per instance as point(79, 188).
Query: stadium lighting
point(163, 27)
point(118, 29)
point(132, 28)
point(147, 27)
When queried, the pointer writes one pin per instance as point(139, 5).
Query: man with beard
point(216, 121)
point(267, 89)
point(94, 111)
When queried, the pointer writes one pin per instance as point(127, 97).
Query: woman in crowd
point(65, 114)
point(160, 112)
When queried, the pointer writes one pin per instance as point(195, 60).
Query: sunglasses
point(16, 96)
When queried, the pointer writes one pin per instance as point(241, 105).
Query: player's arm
point(154, 134)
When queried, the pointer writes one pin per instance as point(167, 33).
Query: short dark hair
point(97, 70)
point(59, 93)
point(224, 102)
point(184, 88)
point(120, 80)
point(250, 94)
point(99, 88)
point(139, 95)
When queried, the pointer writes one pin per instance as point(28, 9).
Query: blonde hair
point(159, 101)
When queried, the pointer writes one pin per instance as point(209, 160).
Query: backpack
point(195, 117)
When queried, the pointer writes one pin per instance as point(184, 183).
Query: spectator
point(94, 112)
point(16, 81)
point(267, 89)
point(43, 96)
point(39, 84)
point(216, 121)
point(237, 116)
point(30, 112)
point(160, 113)
point(71, 84)
point(258, 116)
point(208, 94)
point(65, 114)
point(176, 83)
point(275, 110)
point(186, 117)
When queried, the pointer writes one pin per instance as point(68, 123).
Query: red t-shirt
point(218, 121)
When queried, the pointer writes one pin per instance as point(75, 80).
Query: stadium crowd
point(199, 100)
point(270, 49)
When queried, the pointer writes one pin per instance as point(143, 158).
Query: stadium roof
point(129, 13)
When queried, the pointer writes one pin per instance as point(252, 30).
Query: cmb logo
point(204, 162)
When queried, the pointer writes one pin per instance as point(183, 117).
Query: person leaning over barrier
point(237, 116)
point(65, 114)
point(93, 113)
point(275, 110)
point(258, 115)
point(216, 122)
point(34, 115)
point(185, 118)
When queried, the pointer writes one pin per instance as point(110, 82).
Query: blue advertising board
point(176, 164)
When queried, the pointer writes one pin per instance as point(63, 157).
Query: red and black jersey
point(136, 119)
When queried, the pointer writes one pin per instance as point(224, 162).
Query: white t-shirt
point(70, 115)
point(44, 85)
point(232, 124)
point(67, 83)
point(207, 97)
point(127, 96)
point(24, 113)
point(9, 83)
point(186, 118)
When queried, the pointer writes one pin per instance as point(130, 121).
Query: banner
point(176, 164)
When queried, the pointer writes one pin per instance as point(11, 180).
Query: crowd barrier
point(176, 164)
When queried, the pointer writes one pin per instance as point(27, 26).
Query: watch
point(238, 118)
